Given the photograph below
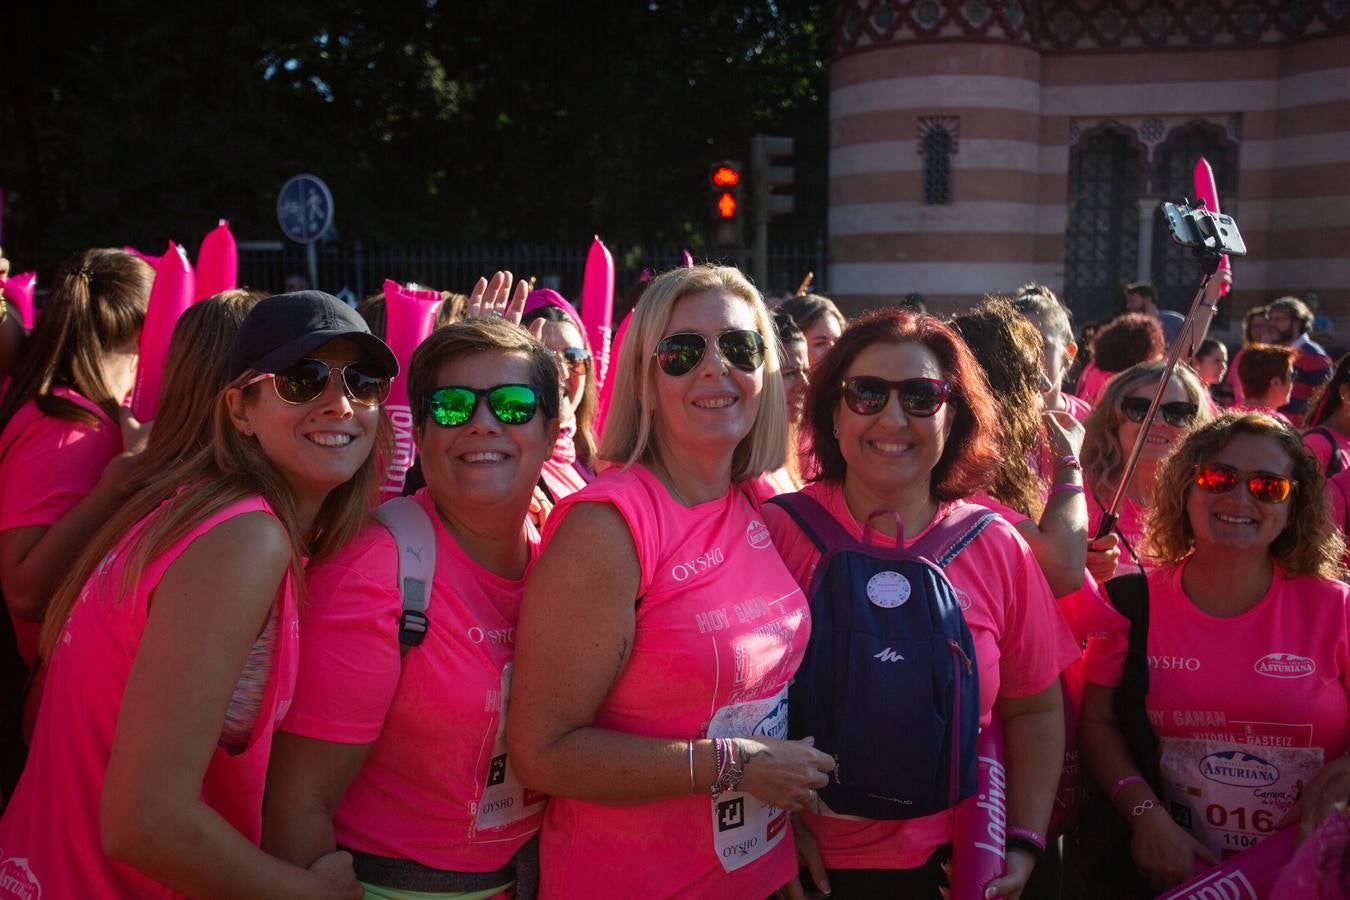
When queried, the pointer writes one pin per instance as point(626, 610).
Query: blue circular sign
point(305, 208)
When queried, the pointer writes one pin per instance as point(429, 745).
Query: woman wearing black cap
point(172, 642)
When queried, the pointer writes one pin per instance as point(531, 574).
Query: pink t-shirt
point(50, 831)
point(1021, 646)
point(1129, 525)
point(562, 478)
point(1077, 407)
point(1248, 708)
point(1243, 406)
point(1091, 382)
point(433, 786)
point(721, 628)
point(47, 465)
point(1316, 441)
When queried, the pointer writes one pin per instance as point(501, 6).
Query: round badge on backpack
point(888, 590)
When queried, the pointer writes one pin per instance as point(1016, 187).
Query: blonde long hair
point(231, 468)
point(628, 435)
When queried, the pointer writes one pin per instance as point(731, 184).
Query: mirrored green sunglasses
point(511, 404)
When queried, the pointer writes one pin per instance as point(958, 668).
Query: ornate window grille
point(937, 144)
point(1101, 249)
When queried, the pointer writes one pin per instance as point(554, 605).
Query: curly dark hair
point(1126, 341)
point(971, 457)
point(1309, 544)
point(1008, 347)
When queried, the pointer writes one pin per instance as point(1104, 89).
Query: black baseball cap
point(282, 330)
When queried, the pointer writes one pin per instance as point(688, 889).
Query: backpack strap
point(944, 541)
point(1335, 462)
point(415, 537)
point(814, 520)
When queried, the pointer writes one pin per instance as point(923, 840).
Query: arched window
point(1175, 269)
point(937, 144)
point(1101, 247)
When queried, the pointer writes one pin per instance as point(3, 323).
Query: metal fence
point(358, 268)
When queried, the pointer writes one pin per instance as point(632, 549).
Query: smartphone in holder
point(1195, 226)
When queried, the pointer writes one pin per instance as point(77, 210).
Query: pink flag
point(1251, 873)
point(979, 844)
point(19, 291)
point(169, 296)
point(410, 315)
point(597, 304)
point(1205, 190)
point(217, 263)
point(687, 259)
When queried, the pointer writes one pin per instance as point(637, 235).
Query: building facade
point(977, 145)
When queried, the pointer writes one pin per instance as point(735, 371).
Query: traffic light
point(724, 178)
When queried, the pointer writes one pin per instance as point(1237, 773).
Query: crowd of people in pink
point(728, 606)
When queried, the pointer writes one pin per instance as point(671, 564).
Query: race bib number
point(1230, 796)
point(504, 800)
point(744, 828)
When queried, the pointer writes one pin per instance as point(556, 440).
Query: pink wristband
point(1125, 782)
point(1068, 461)
point(1066, 488)
point(1034, 836)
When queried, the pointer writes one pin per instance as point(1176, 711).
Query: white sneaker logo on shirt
point(888, 655)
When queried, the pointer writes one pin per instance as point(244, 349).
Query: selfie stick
point(1210, 265)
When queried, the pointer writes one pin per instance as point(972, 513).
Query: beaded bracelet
point(729, 773)
point(1125, 782)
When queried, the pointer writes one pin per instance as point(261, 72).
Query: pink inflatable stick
point(217, 263)
point(1248, 875)
point(607, 388)
point(170, 294)
point(19, 291)
point(1206, 190)
point(686, 259)
point(410, 315)
point(597, 304)
point(152, 260)
point(980, 832)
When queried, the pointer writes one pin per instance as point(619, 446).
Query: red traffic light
point(725, 176)
point(726, 205)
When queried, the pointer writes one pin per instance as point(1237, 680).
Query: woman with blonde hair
point(660, 629)
point(171, 645)
point(1248, 652)
point(1111, 431)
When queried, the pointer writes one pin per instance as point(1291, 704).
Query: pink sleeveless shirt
point(49, 836)
point(721, 628)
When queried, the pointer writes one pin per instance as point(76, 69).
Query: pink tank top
point(49, 836)
point(721, 628)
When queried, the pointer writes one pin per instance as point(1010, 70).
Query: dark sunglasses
point(1216, 478)
point(573, 358)
point(305, 381)
point(678, 354)
point(868, 395)
point(1178, 415)
point(511, 404)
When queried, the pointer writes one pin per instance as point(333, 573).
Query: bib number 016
point(1242, 819)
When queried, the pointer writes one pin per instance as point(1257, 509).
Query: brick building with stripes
point(976, 145)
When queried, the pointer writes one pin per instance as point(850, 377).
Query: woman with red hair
point(903, 423)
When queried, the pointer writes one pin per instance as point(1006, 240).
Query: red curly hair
point(970, 458)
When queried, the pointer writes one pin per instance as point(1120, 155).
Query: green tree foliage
point(434, 121)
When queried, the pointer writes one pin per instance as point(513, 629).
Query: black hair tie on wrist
point(1015, 842)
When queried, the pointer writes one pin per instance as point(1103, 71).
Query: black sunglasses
point(678, 354)
point(305, 381)
point(511, 404)
point(868, 395)
point(1178, 415)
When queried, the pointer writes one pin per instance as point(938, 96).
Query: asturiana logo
point(17, 880)
point(1285, 665)
point(1238, 769)
point(757, 533)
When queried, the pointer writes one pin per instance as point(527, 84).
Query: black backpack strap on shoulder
point(944, 541)
point(415, 537)
point(814, 520)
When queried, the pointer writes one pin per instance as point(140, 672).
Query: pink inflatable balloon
point(607, 388)
point(152, 260)
point(1205, 189)
point(410, 315)
point(19, 291)
point(169, 296)
point(980, 830)
point(1251, 873)
point(217, 263)
point(597, 304)
point(687, 259)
